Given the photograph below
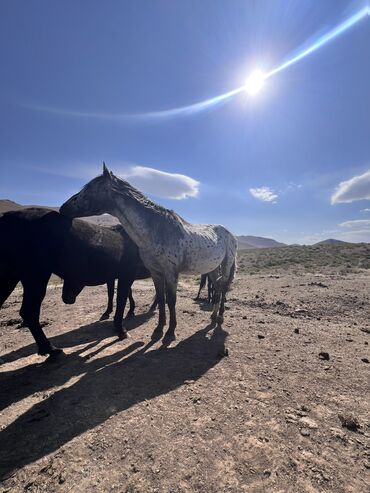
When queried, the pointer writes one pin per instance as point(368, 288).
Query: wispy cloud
point(362, 223)
point(356, 188)
point(365, 210)
point(265, 194)
point(151, 181)
point(356, 231)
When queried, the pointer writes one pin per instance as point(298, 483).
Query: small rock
point(61, 478)
point(244, 317)
point(349, 421)
point(324, 356)
point(296, 331)
point(309, 423)
point(365, 360)
point(266, 474)
point(305, 432)
point(260, 336)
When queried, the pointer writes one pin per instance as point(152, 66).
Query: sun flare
point(255, 82)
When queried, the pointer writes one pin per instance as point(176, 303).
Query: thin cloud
point(365, 210)
point(362, 223)
point(357, 188)
point(265, 194)
point(162, 184)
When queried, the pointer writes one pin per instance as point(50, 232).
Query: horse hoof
point(130, 315)
point(105, 316)
point(220, 319)
point(168, 338)
point(122, 335)
point(52, 351)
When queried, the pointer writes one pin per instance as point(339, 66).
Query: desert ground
point(275, 400)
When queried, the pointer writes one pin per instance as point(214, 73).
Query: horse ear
point(106, 172)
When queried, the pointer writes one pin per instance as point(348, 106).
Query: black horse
point(36, 242)
point(72, 287)
point(203, 279)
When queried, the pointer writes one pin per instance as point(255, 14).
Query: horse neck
point(137, 220)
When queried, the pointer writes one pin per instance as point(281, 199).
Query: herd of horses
point(151, 241)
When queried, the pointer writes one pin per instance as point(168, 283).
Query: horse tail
point(232, 255)
point(231, 275)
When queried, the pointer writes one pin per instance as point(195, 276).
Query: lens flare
point(252, 86)
point(255, 82)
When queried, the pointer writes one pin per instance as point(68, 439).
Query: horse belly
point(202, 262)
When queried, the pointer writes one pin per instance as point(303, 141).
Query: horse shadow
point(203, 304)
point(22, 382)
point(108, 385)
point(90, 333)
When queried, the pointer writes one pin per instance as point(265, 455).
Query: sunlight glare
point(255, 82)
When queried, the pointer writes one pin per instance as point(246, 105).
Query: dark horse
point(35, 242)
point(203, 280)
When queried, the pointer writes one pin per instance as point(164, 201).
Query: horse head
point(94, 199)
point(70, 292)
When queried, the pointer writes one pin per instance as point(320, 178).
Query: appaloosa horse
point(167, 243)
point(37, 242)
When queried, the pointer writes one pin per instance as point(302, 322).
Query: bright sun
point(255, 82)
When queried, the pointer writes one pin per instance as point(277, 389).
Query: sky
point(84, 82)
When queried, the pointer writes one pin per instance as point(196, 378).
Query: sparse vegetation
point(344, 258)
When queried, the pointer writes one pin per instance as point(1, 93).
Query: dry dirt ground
point(249, 407)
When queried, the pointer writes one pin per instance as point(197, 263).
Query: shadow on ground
point(109, 385)
point(91, 333)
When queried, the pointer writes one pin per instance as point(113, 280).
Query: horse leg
point(6, 288)
point(131, 311)
point(108, 311)
point(159, 284)
point(33, 294)
point(210, 290)
point(203, 279)
point(171, 289)
point(153, 306)
point(215, 277)
point(125, 282)
point(227, 277)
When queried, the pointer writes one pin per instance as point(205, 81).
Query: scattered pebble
point(260, 336)
point(365, 360)
point(305, 432)
point(324, 356)
point(296, 331)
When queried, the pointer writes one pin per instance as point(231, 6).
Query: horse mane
point(122, 187)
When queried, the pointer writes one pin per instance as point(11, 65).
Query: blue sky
point(290, 162)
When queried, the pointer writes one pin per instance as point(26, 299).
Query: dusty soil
point(249, 407)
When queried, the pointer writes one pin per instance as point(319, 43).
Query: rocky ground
point(277, 400)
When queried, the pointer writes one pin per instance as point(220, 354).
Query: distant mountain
point(9, 205)
point(331, 241)
point(248, 242)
